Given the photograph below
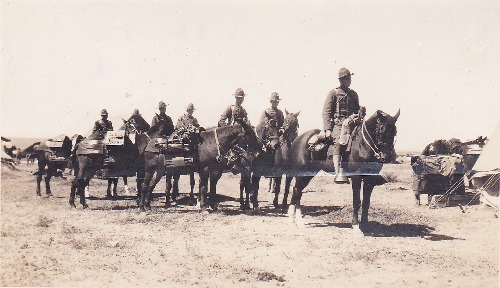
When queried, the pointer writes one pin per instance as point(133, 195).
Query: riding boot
point(340, 177)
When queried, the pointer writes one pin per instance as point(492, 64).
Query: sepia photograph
point(249, 143)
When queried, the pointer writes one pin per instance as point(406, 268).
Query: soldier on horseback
point(272, 118)
point(235, 113)
point(187, 118)
point(340, 112)
point(163, 117)
point(103, 125)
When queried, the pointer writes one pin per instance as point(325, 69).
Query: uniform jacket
point(102, 125)
point(339, 104)
point(227, 116)
point(274, 116)
point(186, 120)
point(169, 128)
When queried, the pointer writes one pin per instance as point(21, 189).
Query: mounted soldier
point(235, 113)
point(271, 120)
point(103, 125)
point(169, 127)
point(340, 113)
point(187, 118)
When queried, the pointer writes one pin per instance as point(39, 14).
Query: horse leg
point(288, 182)
point(39, 175)
point(203, 189)
point(74, 186)
point(115, 184)
point(300, 184)
point(168, 189)
point(125, 183)
point(144, 189)
point(191, 183)
point(242, 189)
point(367, 193)
point(149, 197)
point(245, 185)
point(47, 180)
point(276, 190)
point(175, 187)
point(82, 183)
point(215, 175)
point(356, 203)
point(255, 185)
point(108, 191)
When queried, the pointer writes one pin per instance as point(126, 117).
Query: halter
point(375, 150)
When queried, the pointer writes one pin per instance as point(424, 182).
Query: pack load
point(59, 148)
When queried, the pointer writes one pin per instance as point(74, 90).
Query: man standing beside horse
point(340, 112)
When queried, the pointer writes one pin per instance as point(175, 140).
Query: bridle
point(374, 146)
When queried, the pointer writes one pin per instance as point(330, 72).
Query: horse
point(372, 145)
point(270, 163)
point(90, 158)
point(54, 155)
point(219, 148)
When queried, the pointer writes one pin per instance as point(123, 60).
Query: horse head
point(243, 144)
point(290, 126)
point(381, 128)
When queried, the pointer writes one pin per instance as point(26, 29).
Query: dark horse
point(372, 145)
point(271, 162)
point(220, 148)
point(90, 158)
point(53, 154)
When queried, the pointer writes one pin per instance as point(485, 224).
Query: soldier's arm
point(195, 122)
point(111, 125)
point(328, 111)
point(281, 119)
point(223, 117)
point(96, 126)
point(154, 121)
point(263, 118)
point(355, 102)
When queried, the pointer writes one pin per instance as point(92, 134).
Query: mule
point(372, 146)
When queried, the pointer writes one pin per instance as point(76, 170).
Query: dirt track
point(45, 243)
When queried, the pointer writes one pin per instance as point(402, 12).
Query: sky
point(64, 61)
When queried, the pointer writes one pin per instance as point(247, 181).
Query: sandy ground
point(46, 243)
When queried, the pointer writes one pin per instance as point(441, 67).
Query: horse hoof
point(85, 206)
point(72, 204)
point(49, 194)
point(356, 231)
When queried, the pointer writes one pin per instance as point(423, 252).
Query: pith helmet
point(239, 93)
point(162, 105)
point(344, 72)
point(104, 112)
point(275, 97)
point(136, 112)
point(190, 107)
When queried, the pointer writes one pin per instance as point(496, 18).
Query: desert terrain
point(44, 242)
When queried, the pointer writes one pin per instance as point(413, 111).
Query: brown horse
point(271, 162)
point(128, 157)
point(220, 149)
point(372, 145)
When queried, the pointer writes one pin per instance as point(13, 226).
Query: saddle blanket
point(88, 147)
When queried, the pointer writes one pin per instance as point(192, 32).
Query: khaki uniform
point(102, 126)
point(186, 119)
point(232, 112)
point(169, 128)
point(339, 105)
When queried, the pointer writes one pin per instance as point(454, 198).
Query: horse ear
point(380, 115)
point(397, 115)
point(286, 111)
point(297, 114)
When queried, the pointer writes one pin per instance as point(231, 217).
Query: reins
point(375, 150)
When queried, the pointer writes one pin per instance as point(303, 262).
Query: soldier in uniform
point(234, 113)
point(272, 117)
point(104, 124)
point(169, 128)
point(339, 112)
point(187, 118)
